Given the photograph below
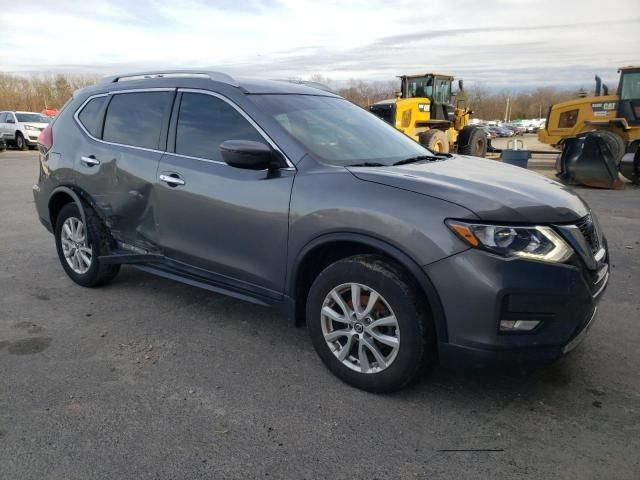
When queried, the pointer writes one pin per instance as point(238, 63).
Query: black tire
point(614, 142)
point(416, 350)
point(435, 140)
point(21, 144)
point(98, 239)
point(472, 141)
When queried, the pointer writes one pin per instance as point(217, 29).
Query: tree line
point(36, 92)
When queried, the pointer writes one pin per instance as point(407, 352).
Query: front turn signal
point(464, 232)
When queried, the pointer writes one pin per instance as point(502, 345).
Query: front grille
point(588, 230)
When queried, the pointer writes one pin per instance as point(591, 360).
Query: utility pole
point(506, 110)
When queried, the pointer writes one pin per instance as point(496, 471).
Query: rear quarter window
point(137, 119)
point(88, 116)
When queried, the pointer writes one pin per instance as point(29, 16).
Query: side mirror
point(460, 85)
point(10, 120)
point(247, 154)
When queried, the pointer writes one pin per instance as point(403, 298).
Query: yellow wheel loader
point(610, 120)
point(423, 110)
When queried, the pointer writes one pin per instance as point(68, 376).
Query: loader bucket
point(587, 160)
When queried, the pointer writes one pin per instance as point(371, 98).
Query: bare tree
point(37, 92)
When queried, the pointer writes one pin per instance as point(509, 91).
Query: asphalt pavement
point(150, 379)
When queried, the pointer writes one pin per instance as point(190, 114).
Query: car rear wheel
point(21, 144)
point(369, 324)
point(79, 243)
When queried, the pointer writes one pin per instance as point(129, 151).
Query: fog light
point(518, 325)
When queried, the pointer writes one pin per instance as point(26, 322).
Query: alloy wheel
point(75, 247)
point(360, 328)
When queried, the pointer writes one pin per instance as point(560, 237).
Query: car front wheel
point(369, 323)
point(21, 144)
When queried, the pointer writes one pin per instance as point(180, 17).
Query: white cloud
point(496, 42)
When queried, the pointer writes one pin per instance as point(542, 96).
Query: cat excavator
point(423, 109)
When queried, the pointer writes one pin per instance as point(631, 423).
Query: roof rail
point(308, 83)
point(215, 76)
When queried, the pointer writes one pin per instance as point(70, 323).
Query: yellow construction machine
point(613, 120)
point(423, 109)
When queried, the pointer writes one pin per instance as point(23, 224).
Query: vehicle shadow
point(497, 386)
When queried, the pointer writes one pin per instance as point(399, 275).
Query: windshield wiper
point(419, 158)
point(367, 164)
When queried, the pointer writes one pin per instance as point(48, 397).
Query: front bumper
point(478, 289)
point(31, 136)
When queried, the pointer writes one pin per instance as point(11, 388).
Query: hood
point(494, 191)
point(40, 125)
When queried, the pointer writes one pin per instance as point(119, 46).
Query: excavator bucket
point(587, 160)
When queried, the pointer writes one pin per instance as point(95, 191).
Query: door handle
point(90, 161)
point(172, 180)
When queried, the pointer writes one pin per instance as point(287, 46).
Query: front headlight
point(30, 127)
point(533, 243)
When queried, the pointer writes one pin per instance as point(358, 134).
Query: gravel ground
point(150, 379)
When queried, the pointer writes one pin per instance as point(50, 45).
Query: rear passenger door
point(117, 165)
point(230, 224)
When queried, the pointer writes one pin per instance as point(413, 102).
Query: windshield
point(31, 118)
point(337, 131)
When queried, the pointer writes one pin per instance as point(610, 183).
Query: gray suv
point(287, 195)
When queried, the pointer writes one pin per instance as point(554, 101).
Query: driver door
point(229, 224)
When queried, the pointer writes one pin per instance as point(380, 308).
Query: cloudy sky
point(492, 42)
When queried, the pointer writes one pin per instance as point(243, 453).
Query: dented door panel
point(121, 187)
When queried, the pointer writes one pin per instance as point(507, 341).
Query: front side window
point(89, 116)
point(205, 121)
point(338, 132)
point(136, 119)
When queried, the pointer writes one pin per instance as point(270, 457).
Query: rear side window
point(137, 119)
point(89, 115)
point(204, 122)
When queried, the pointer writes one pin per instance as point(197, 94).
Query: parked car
point(490, 133)
point(516, 129)
point(21, 129)
point(49, 112)
point(501, 132)
point(286, 195)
